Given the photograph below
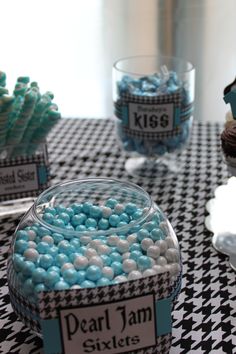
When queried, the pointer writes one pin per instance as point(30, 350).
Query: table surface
point(204, 318)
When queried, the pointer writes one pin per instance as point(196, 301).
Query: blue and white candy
point(47, 260)
point(165, 83)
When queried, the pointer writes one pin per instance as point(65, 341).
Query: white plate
point(221, 220)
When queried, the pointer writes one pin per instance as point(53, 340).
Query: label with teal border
point(110, 328)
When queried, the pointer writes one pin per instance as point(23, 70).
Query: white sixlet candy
point(31, 234)
point(75, 286)
point(90, 252)
point(129, 265)
point(103, 249)
point(96, 260)
point(158, 269)
point(95, 243)
point(80, 262)
point(146, 243)
point(175, 268)
point(170, 242)
point(119, 209)
point(126, 255)
point(31, 254)
point(161, 261)
point(132, 238)
point(85, 240)
point(48, 239)
point(106, 211)
point(32, 244)
point(113, 240)
point(122, 246)
point(108, 272)
point(162, 245)
point(135, 274)
point(149, 272)
point(163, 225)
point(67, 266)
point(169, 268)
point(172, 255)
point(120, 279)
point(153, 251)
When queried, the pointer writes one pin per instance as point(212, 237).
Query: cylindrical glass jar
point(86, 234)
point(153, 104)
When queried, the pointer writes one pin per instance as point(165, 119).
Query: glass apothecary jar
point(95, 242)
point(153, 108)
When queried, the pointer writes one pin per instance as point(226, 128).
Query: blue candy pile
point(143, 91)
point(86, 245)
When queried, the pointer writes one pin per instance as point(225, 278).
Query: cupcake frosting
point(228, 140)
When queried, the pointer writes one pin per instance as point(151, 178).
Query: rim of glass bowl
point(95, 232)
point(115, 65)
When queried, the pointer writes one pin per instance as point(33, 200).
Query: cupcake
point(228, 136)
point(228, 145)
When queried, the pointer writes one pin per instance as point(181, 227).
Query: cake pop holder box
point(129, 317)
point(24, 174)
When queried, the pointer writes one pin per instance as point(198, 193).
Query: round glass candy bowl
point(153, 104)
point(86, 234)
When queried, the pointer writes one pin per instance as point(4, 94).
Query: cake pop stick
point(6, 103)
point(49, 120)
point(2, 79)
point(17, 130)
point(19, 92)
point(40, 109)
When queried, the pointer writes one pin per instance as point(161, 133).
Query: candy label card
point(111, 319)
point(18, 179)
point(24, 176)
point(118, 327)
point(151, 118)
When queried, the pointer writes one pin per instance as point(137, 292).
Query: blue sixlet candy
point(22, 235)
point(61, 285)
point(88, 284)
point(39, 275)
point(57, 237)
point(93, 273)
point(114, 220)
point(157, 234)
point(81, 276)
point(117, 268)
point(46, 260)
point(70, 276)
point(103, 224)
point(111, 203)
point(48, 217)
point(51, 278)
point(103, 282)
point(130, 208)
point(21, 246)
point(144, 262)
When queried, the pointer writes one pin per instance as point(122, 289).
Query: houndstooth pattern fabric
point(160, 285)
point(204, 317)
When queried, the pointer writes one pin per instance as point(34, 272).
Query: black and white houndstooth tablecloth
point(204, 319)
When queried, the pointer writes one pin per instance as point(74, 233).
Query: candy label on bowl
point(151, 118)
point(109, 328)
point(111, 319)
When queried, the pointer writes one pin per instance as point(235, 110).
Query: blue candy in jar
point(154, 111)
